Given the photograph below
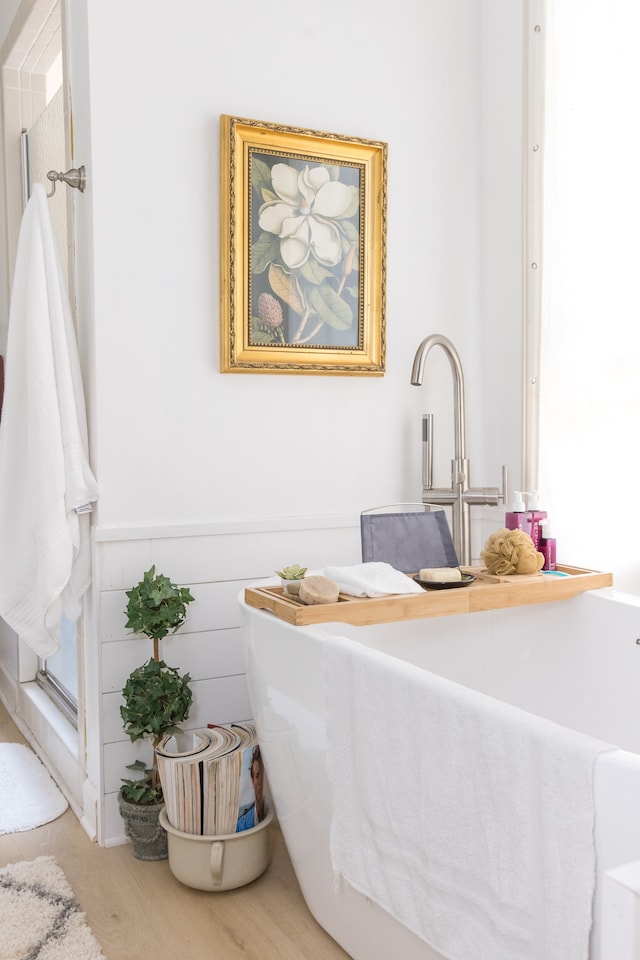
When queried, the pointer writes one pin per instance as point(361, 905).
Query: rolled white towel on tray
point(374, 579)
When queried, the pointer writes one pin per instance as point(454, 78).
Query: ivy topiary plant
point(156, 700)
point(156, 607)
point(156, 697)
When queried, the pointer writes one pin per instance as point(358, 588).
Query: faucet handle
point(488, 496)
point(504, 493)
point(427, 451)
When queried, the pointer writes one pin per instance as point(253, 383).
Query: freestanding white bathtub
point(575, 662)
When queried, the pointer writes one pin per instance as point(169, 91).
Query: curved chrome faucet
point(417, 374)
point(460, 495)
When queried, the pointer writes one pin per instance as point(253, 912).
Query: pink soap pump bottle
point(547, 546)
point(516, 517)
point(535, 518)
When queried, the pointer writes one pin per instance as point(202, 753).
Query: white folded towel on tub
point(468, 820)
point(373, 579)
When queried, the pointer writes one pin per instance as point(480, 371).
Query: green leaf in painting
point(260, 175)
point(264, 250)
point(350, 230)
point(260, 336)
point(314, 272)
point(330, 307)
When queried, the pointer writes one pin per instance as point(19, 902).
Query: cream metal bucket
point(218, 863)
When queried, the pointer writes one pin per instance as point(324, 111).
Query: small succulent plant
point(292, 572)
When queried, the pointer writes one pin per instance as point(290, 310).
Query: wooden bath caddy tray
point(487, 593)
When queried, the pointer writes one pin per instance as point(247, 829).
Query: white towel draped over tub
point(468, 820)
point(44, 471)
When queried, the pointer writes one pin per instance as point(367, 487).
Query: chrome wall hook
point(76, 177)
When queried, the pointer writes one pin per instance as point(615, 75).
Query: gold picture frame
point(302, 250)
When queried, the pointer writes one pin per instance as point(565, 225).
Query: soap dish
point(467, 578)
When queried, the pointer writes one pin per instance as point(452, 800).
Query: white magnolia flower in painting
point(303, 216)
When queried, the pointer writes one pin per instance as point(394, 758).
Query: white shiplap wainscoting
point(216, 561)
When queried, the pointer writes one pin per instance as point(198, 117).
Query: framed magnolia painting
point(303, 250)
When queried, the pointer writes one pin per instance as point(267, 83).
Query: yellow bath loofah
point(511, 551)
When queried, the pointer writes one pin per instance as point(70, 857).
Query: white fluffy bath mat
point(28, 795)
point(39, 916)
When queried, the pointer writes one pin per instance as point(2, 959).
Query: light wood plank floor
point(138, 909)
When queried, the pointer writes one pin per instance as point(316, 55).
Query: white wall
point(175, 441)
point(196, 471)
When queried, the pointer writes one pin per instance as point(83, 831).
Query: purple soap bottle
point(535, 516)
point(516, 516)
point(547, 546)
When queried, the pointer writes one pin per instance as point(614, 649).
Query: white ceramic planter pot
point(218, 863)
point(290, 586)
